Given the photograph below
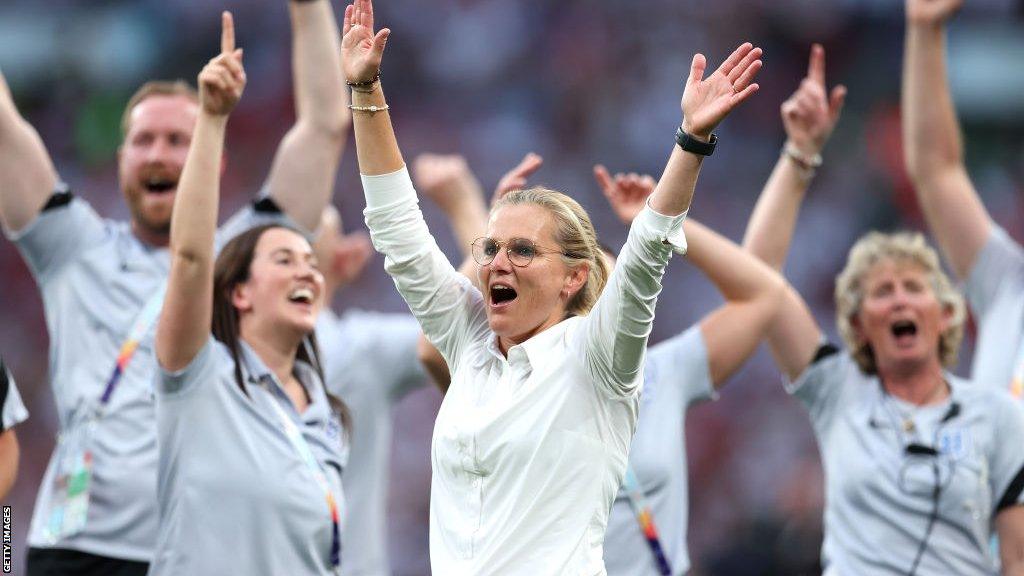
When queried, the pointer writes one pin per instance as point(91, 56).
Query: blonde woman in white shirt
point(531, 442)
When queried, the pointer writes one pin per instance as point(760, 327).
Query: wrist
point(699, 134)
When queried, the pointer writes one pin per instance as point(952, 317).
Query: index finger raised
point(227, 33)
point(816, 66)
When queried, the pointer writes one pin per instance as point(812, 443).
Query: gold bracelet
point(365, 88)
point(371, 109)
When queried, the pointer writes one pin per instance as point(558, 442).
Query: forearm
point(376, 145)
point(674, 191)
point(321, 98)
point(194, 222)
point(739, 276)
point(9, 455)
point(27, 175)
point(931, 133)
point(469, 221)
point(770, 229)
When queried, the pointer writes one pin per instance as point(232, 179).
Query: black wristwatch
point(690, 144)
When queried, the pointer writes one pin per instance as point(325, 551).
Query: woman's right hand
point(811, 113)
point(361, 49)
point(222, 81)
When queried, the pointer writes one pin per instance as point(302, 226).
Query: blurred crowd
point(579, 82)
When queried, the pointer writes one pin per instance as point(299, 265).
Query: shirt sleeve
point(12, 410)
point(58, 235)
point(998, 268)
point(449, 308)
point(202, 368)
point(1006, 464)
point(820, 387)
point(682, 362)
point(614, 334)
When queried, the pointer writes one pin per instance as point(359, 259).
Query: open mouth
point(159, 184)
point(904, 329)
point(301, 296)
point(502, 294)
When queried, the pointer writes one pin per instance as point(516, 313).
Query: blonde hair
point(909, 247)
point(575, 236)
point(155, 88)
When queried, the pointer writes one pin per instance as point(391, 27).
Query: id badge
point(69, 498)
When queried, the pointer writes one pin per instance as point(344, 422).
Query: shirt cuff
point(667, 229)
point(388, 189)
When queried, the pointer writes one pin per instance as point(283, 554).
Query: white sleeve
point(614, 334)
point(12, 410)
point(998, 269)
point(449, 308)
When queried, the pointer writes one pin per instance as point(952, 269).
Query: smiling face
point(523, 301)
point(284, 291)
point(900, 317)
point(151, 158)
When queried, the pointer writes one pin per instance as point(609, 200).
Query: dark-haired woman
point(250, 443)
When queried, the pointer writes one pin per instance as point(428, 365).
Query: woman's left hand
point(361, 49)
point(707, 101)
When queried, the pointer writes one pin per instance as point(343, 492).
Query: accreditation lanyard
point(68, 507)
point(645, 518)
point(306, 454)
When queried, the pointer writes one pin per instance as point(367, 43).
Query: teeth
point(301, 295)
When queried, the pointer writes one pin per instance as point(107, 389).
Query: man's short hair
point(156, 88)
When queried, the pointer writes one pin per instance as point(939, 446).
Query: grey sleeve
point(12, 410)
point(998, 268)
point(820, 387)
point(395, 350)
point(58, 235)
point(1006, 465)
point(202, 368)
point(681, 362)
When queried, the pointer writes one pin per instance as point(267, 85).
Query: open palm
point(707, 101)
point(361, 49)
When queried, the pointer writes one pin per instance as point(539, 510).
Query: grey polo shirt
point(95, 276)
point(676, 375)
point(995, 291)
point(370, 362)
point(12, 410)
point(235, 496)
point(878, 499)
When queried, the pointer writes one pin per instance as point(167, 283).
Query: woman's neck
point(919, 387)
point(276, 348)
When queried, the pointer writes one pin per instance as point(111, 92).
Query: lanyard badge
point(69, 497)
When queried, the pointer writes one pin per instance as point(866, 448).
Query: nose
point(501, 261)
point(158, 151)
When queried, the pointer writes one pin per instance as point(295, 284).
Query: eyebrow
point(289, 252)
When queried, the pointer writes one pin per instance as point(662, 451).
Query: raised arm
point(809, 116)
point(752, 290)
point(706, 102)
point(306, 163)
point(448, 181)
point(185, 322)
point(932, 145)
point(27, 175)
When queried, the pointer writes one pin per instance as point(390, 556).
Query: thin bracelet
point(371, 109)
point(808, 166)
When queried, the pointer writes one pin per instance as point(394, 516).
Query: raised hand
point(222, 81)
point(515, 179)
point(707, 101)
point(351, 253)
point(811, 113)
point(445, 179)
point(361, 49)
point(627, 193)
point(932, 11)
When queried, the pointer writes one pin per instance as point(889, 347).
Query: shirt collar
point(255, 371)
point(535, 349)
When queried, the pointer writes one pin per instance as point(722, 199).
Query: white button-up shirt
point(528, 451)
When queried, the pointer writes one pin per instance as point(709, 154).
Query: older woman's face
point(900, 316)
point(522, 301)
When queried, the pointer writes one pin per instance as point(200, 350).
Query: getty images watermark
point(7, 539)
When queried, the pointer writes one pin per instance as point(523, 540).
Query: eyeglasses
point(520, 251)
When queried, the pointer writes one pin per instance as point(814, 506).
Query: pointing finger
point(227, 34)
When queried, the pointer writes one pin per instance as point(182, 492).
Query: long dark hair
point(232, 268)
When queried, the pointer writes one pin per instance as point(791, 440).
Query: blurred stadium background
point(579, 82)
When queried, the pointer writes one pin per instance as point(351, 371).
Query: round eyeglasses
point(520, 251)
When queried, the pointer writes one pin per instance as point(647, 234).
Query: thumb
point(604, 179)
point(380, 40)
point(836, 101)
point(697, 69)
